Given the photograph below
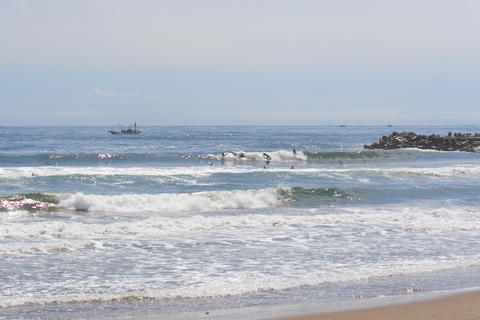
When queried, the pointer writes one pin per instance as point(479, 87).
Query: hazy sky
point(239, 62)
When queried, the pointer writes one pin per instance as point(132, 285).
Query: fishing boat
point(127, 130)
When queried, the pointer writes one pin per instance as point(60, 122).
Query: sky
point(221, 62)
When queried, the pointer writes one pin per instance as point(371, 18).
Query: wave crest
point(288, 156)
point(28, 201)
point(175, 202)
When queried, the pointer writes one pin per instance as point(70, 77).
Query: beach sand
point(464, 306)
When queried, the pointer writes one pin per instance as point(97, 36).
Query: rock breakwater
point(452, 142)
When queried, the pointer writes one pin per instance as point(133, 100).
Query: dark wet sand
point(463, 306)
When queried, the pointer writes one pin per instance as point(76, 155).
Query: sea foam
point(205, 171)
point(129, 289)
point(174, 202)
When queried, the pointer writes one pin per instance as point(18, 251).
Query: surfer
point(294, 151)
point(267, 157)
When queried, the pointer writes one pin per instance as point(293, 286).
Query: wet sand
point(464, 306)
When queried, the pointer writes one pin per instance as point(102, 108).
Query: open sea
point(204, 222)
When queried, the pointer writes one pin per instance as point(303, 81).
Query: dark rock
point(452, 142)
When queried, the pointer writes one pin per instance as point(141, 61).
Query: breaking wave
point(198, 201)
point(29, 202)
point(204, 171)
point(338, 155)
point(174, 202)
point(288, 156)
point(65, 236)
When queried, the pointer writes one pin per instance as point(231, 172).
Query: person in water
point(267, 157)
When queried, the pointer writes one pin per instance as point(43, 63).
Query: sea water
point(188, 220)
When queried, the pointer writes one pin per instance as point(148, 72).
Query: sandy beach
point(464, 306)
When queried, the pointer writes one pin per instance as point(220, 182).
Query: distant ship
point(127, 130)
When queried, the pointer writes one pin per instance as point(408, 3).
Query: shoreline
point(456, 306)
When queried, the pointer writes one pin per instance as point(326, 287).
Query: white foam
point(249, 282)
point(280, 156)
point(195, 171)
point(52, 246)
point(410, 228)
point(46, 171)
point(173, 202)
point(401, 220)
point(203, 171)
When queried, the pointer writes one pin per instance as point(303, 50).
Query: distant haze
point(239, 62)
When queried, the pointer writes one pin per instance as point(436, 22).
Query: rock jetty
point(452, 142)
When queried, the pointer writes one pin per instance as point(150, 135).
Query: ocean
point(192, 222)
